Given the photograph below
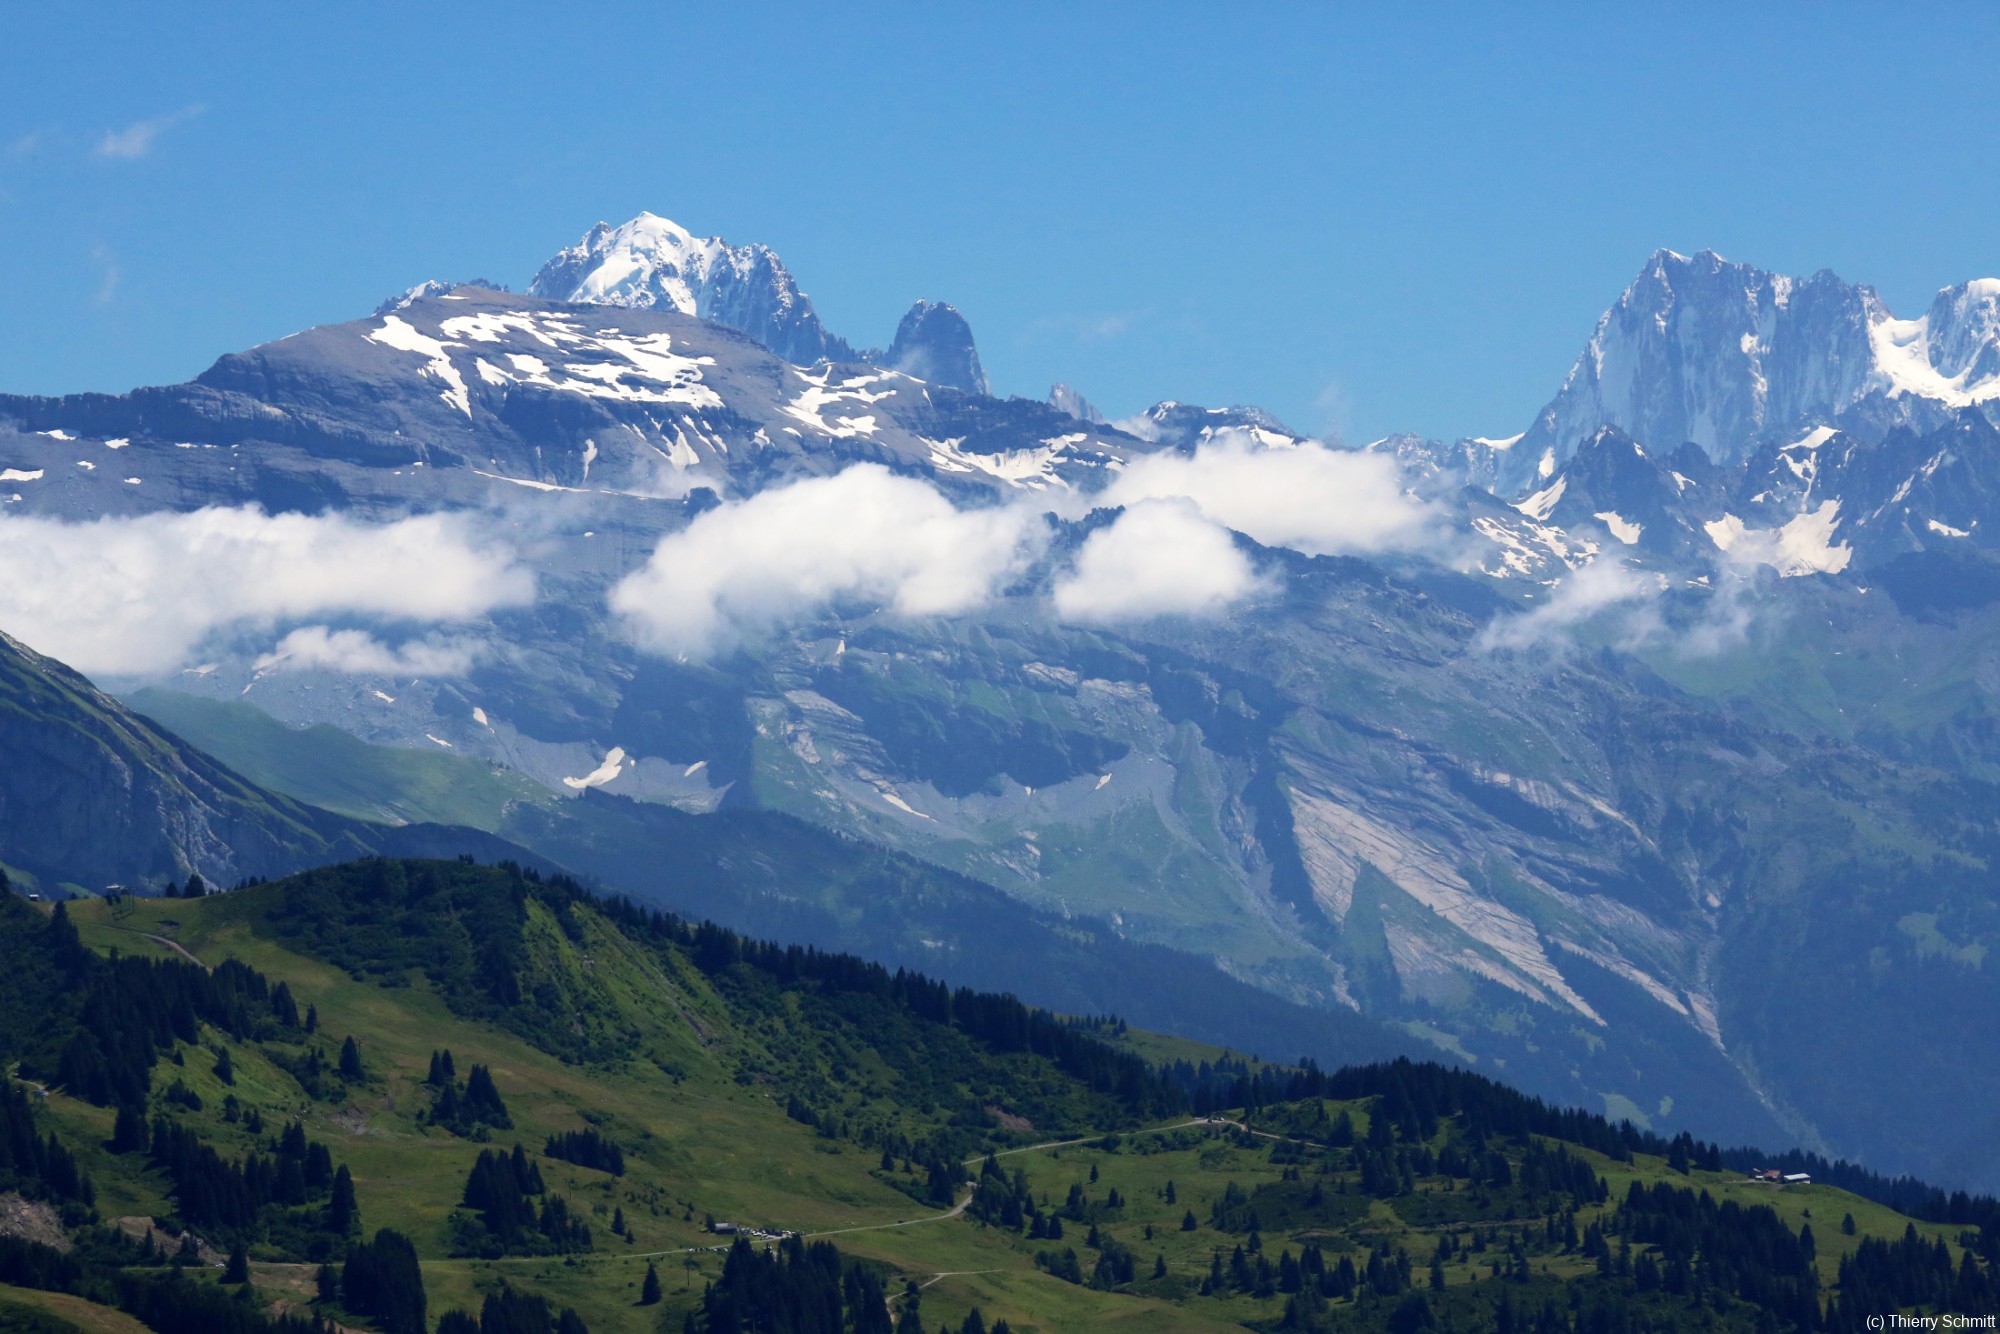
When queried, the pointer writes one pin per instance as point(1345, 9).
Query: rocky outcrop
point(94, 795)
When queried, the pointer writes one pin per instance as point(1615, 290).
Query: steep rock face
point(1065, 399)
point(934, 344)
point(653, 263)
point(92, 793)
point(1643, 502)
point(1731, 357)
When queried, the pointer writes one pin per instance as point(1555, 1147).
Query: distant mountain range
point(1667, 731)
point(1732, 358)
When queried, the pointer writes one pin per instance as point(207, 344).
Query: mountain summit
point(653, 262)
point(1731, 357)
point(934, 343)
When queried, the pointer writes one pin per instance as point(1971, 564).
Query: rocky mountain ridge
point(1733, 358)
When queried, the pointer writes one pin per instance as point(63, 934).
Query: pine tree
point(128, 1133)
point(238, 1268)
point(283, 1008)
point(649, 1291)
point(225, 1070)
point(383, 1279)
point(343, 1216)
point(350, 1061)
point(312, 1019)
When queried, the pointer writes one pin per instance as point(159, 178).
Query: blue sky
point(1364, 218)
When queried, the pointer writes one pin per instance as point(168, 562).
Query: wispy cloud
point(358, 653)
point(1080, 328)
point(137, 139)
point(109, 274)
point(1608, 602)
point(28, 144)
point(1603, 591)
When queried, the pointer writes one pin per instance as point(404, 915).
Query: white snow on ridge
point(1624, 531)
point(1541, 504)
point(1813, 439)
point(21, 475)
point(819, 395)
point(1804, 545)
point(1946, 530)
point(57, 434)
point(902, 805)
point(634, 368)
point(530, 483)
point(1503, 442)
point(1032, 468)
point(1962, 322)
point(400, 334)
point(614, 760)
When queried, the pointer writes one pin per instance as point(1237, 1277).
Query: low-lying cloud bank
point(1158, 558)
point(136, 596)
point(1321, 501)
point(122, 596)
point(867, 535)
point(863, 534)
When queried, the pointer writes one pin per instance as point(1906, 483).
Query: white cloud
point(136, 140)
point(792, 551)
point(1159, 558)
point(136, 595)
point(1308, 497)
point(358, 653)
point(1601, 588)
point(109, 274)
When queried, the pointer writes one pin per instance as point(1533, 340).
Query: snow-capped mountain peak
point(1729, 357)
point(653, 262)
point(1951, 353)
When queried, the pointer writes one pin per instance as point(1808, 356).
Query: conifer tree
point(350, 1061)
point(343, 1216)
point(649, 1291)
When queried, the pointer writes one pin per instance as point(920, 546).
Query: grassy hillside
point(337, 771)
point(794, 1091)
